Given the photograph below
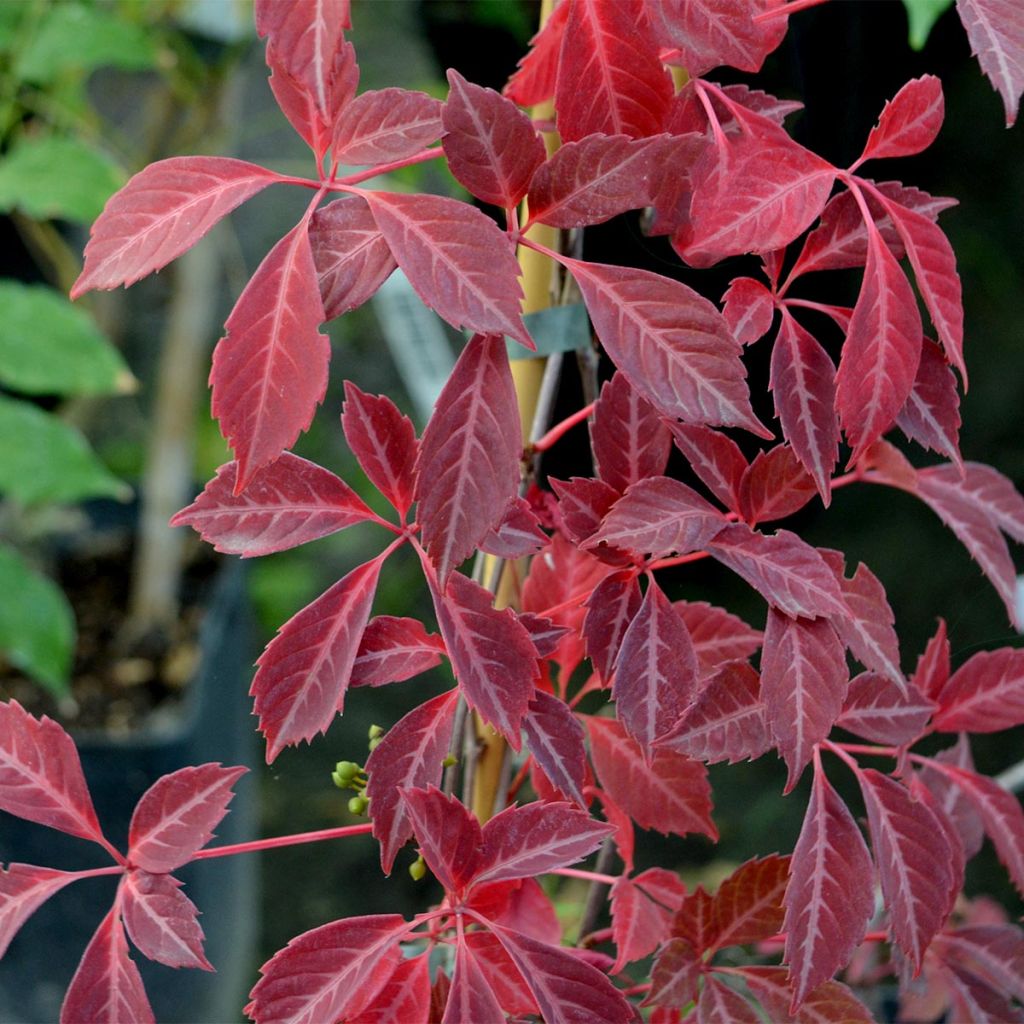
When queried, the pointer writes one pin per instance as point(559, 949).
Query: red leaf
point(877, 710)
point(983, 487)
point(394, 649)
point(329, 973)
point(694, 921)
point(709, 33)
point(287, 503)
point(932, 669)
point(609, 76)
point(176, 816)
point(533, 81)
point(409, 755)
point(161, 920)
point(492, 147)
point(727, 722)
point(640, 921)
point(352, 259)
point(775, 486)
point(748, 904)
point(830, 1001)
point(670, 794)
point(715, 458)
point(494, 659)
point(913, 858)
point(841, 238)
point(565, 986)
point(986, 694)
point(952, 801)
point(748, 308)
point(759, 194)
point(384, 125)
point(656, 517)
point(830, 897)
point(957, 861)
point(972, 999)
point(656, 671)
point(600, 176)
point(909, 122)
point(629, 439)
point(270, 369)
point(163, 211)
point(995, 29)
point(308, 37)
point(803, 382)
point(672, 344)
point(522, 842)
point(803, 682)
point(300, 107)
point(304, 673)
point(934, 265)
point(610, 609)
point(508, 985)
point(544, 634)
point(788, 573)
point(719, 1004)
point(931, 416)
point(24, 888)
point(468, 464)
point(107, 987)
point(555, 739)
point(582, 503)
point(384, 443)
point(41, 776)
point(458, 260)
point(881, 352)
point(674, 975)
point(996, 952)
point(448, 836)
point(470, 997)
point(718, 636)
point(867, 629)
point(517, 534)
point(404, 999)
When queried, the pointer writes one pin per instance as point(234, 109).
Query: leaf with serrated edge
point(830, 1001)
point(719, 1004)
point(982, 486)
point(352, 259)
point(176, 816)
point(995, 29)
point(788, 573)
point(470, 997)
point(404, 999)
point(384, 443)
point(671, 343)
point(304, 673)
point(674, 975)
point(328, 973)
point(533, 81)
point(913, 858)
point(494, 659)
point(671, 794)
point(448, 836)
point(715, 458)
point(639, 922)
point(803, 384)
point(830, 896)
point(996, 951)
point(458, 260)
point(931, 416)
point(163, 211)
point(718, 636)
point(107, 985)
point(41, 776)
point(748, 904)
point(492, 147)
point(409, 755)
point(384, 125)
point(656, 671)
point(554, 737)
point(287, 503)
point(727, 721)
point(877, 710)
point(775, 486)
point(23, 889)
point(566, 988)
point(611, 607)
point(933, 665)
point(162, 921)
point(270, 369)
point(748, 308)
point(986, 694)
point(517, 534)
point(609, 76)
point(468, 464)
point(909, 122)
point(394, 649)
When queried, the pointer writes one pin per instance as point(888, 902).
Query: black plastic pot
point(213, 724)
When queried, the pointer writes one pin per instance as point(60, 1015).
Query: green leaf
point(37, 630)
point(52, 177)
point(79, 38)
point(50, 347)
point(922, 15)
point(43, 459)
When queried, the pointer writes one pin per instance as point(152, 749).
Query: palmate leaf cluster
point(723, 178)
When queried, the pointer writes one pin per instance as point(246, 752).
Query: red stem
point(589, 876)
point(560, 429)
point(255, 845)
point(339, 184)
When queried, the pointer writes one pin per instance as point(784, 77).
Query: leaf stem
point(559, 430)
point(395, 165)
point(588, 876)
point(256, 845)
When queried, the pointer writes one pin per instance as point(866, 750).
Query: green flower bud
point(450, 761)
point(417, 869)
point(374, 743)
point(376, 732)
point(357, 805)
